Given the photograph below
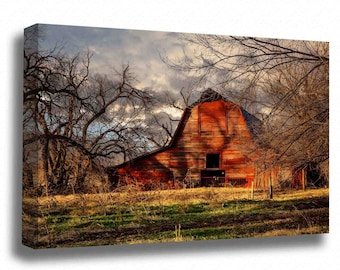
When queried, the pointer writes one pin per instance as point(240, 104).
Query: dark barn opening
point(314, 177)
point(237, 182)
point(213, 161)
point(213, 178)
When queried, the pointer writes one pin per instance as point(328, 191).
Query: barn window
point(213, 161)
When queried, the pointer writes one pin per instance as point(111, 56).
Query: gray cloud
point(113, 48)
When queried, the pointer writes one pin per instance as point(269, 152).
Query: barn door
point(213, 178)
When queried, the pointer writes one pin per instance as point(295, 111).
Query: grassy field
point(132, 217)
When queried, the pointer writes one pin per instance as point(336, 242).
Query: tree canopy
point(283, 82)
point(79, 121)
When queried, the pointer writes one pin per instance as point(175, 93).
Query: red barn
point(212, 146)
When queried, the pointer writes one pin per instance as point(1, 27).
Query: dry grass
point(298, 231)
point(132, 216)
point(169, 197)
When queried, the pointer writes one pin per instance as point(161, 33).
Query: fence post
point(303, 178)
point(270, 185)
point(252, 189)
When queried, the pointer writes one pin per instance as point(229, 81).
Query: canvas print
point(134, 137)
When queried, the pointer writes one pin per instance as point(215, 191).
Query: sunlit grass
point(169, 197)
point(173, 215)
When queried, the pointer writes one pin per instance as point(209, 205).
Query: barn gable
point(213, 145)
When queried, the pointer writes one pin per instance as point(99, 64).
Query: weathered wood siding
point(216, 127)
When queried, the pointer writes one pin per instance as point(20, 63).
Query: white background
point(294, 19)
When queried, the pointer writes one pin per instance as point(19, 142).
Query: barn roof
point(253, 123)
point(209, 95)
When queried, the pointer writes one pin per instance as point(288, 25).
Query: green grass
point(189, 215)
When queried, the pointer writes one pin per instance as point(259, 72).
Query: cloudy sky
point(112, 48)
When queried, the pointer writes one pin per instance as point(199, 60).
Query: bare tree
point(76, 121)
point(283, 82)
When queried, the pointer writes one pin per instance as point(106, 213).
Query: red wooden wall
point(216, 127)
